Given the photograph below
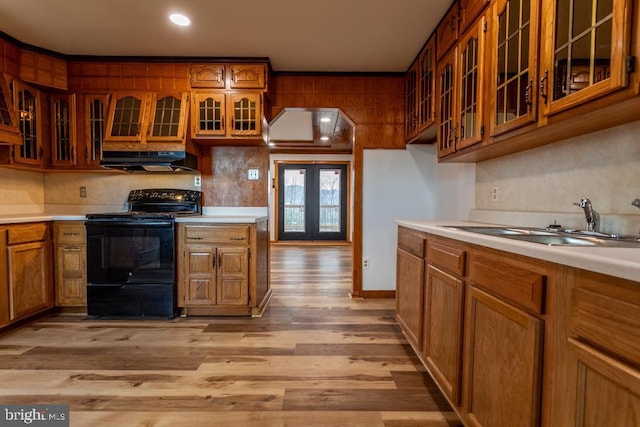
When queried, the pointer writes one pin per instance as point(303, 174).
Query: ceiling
point(296, 35)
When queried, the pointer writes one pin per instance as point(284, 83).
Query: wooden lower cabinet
point(223, 269)
point(71, 263)
point(410, 285)
point(27, 284)
point(503, 352)
point(598, 373)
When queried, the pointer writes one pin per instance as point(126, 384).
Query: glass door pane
point(294, 200)
point(329, 203)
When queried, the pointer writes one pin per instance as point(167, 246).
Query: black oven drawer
point(131, 300)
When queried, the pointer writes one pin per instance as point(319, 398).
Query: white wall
point(407, 184)
point(21, 192)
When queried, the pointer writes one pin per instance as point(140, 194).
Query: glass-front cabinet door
point(470, 83)
point(585, 51)
point(9, 133)
point(446, 101)
point(426, 86)
point(94, 117)
point(63, 130)
point(246, 113)
point(127, 117)
point(28, 100)
point(514, 72)
point(169, 114)
point(208, 114)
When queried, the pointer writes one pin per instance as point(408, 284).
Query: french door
point(312, 201)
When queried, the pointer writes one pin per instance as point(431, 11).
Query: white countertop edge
point(221, 219)
point(617, 262)
point(231, 219)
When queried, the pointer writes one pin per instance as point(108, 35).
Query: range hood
point(150, 161)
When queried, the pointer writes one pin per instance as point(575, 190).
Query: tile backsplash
point(603, 166)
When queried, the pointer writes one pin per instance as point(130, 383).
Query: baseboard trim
point(378, 294)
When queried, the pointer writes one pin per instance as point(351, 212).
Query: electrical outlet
point(253, 174)
point(495, 195)
point(365, 263)
point(197, 181)
point(83, 191)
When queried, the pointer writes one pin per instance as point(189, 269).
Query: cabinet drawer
point(69, 233)
point(520, 286)
point(411, 241)
point(449, 258)
point(608, 323)
point(27, 233)
point(217, 234)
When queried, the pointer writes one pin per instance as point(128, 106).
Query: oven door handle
point(145, 223)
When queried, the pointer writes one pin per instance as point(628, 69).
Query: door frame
point(275, 182)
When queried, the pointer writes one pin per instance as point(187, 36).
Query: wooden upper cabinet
point(420, 84)
point(229, 76)
point(586, 50)
point(146, 117)
point(43, 69)
point(448, 29)
point(63, 130)
point(461, 91)
point(446, 91)
point(28, 102)
point(469, 11)
point(208, 113)
point(9, 132)
point(513, 51)
point(208, 76)
point(219, 114)
point(93, 116)
point(247, 76)
point(168, 117)
point(127, 118)
point(470, 80)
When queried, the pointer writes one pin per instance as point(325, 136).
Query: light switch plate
point(253, 174)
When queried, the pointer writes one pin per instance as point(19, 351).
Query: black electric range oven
point(131, 256)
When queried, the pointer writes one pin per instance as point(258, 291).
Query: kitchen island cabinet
point(223, 268)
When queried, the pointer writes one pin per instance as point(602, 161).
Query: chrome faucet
point(591, 216)
point(636, 203)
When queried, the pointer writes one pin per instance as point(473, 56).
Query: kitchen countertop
point(221, 219)
point(618, 262)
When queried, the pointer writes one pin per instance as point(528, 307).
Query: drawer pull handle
point(195, 238)
point(71, 234)
point(237, 238)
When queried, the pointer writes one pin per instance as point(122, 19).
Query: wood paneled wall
point(374, 103)
point(112, 76)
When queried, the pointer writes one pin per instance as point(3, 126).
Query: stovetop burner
point(156, 204)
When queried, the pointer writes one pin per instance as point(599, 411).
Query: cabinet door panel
point(607, 392)
point(447, 72)
point(587, 43)
point(247, 76)
point(447, 31)
point(208, 114)
point(208, 76)
point(28, 279)
point(443, 330)
point(63, 130)
point(514, 65)
point(233, 276)
point(127, 118)
point(71, 282)
point(409, 295)
point(200, 278)
point(503, 363)
point(245, 110)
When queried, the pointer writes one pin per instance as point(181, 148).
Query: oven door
point(130, 251)
point(130, 268)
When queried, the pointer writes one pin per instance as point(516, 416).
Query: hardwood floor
point(316, 358)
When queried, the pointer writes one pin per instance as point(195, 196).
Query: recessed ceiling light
point(180, 19)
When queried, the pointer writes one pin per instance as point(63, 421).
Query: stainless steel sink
point(550, 237)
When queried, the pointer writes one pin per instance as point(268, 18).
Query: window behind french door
point(312, 201)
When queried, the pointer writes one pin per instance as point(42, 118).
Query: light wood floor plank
point(316, 358)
